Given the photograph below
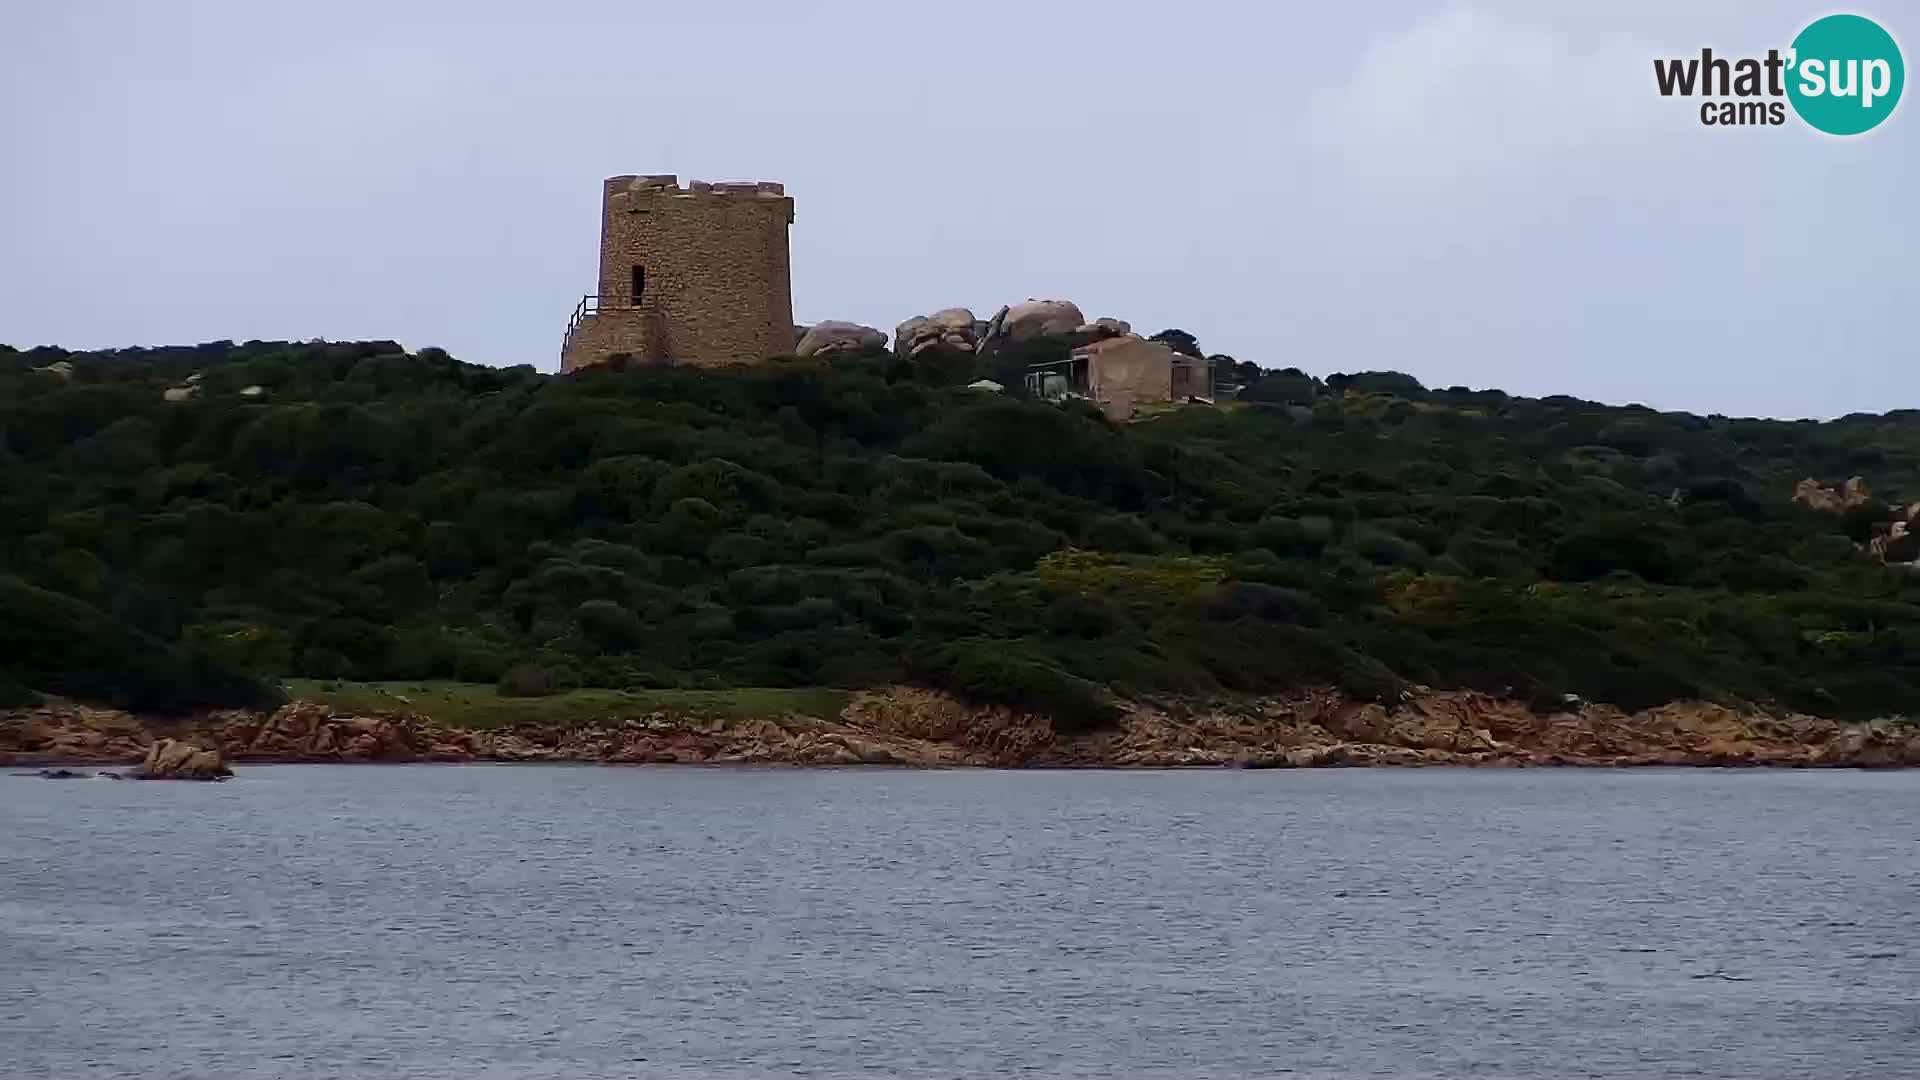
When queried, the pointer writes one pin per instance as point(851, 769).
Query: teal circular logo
point(1845, 74)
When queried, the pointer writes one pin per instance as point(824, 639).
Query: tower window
point(639, 284)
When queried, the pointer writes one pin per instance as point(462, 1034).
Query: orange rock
point(170, 759)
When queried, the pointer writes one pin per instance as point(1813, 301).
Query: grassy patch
point(480, 706)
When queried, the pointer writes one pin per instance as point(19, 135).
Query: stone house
point(1119, 374)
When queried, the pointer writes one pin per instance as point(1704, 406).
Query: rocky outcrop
point(1457, 727)
point(304, 731)
point(978, 734)
point(953, 328)
point(1047, 318)
point(656, 738)
point(1036, 318)
point(832, 336)
point(1101, 329)
point(170, 759)
point(65, 732)
point(1809, 493)
point(1895, 546)
point(1893, 540)
point(910, 726)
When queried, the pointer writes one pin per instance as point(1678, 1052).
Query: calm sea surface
point(390, 923)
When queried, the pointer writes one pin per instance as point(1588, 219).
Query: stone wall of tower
point(713, 269)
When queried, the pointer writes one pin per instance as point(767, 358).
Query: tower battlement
point(696, 274)
point(669, 184)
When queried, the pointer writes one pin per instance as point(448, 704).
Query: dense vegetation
point(371, 515)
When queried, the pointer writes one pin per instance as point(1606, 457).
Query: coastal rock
point(306, 731)
point(66, 732)
point(986, 735)
point(1311, 728)
point(832, 336)
point(170, 759)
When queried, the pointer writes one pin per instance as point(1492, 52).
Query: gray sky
point(1490, 194)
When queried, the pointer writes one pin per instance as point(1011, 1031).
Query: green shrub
point(534, 680)
point(1490, 556)
point(1292, 537)
point(1121, 532)
point(1383, 548)
point(243, 646)
point(1611, 548)
point(1394, 383)
point(58, 644)
point(609, 626)
point(1002, 673)
point(1762, 573)
point(1368, 679)
point(1290, 387)
point(1249, 599)
point(13, 694)
point(378, 516)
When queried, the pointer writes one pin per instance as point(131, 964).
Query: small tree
point(1179, 341)
point(611, 627)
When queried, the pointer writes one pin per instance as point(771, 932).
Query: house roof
point(1095, 348)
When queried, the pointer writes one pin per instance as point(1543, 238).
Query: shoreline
point(916, 728)
point(25, 765)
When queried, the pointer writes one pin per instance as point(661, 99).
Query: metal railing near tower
point(588, 307)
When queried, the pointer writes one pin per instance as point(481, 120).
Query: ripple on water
point(535, 922)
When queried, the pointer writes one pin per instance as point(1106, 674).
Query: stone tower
point(694, 275)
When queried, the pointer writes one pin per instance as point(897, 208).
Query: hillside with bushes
point(190, 527)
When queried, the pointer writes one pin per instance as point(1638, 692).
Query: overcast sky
point(1489, 194)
